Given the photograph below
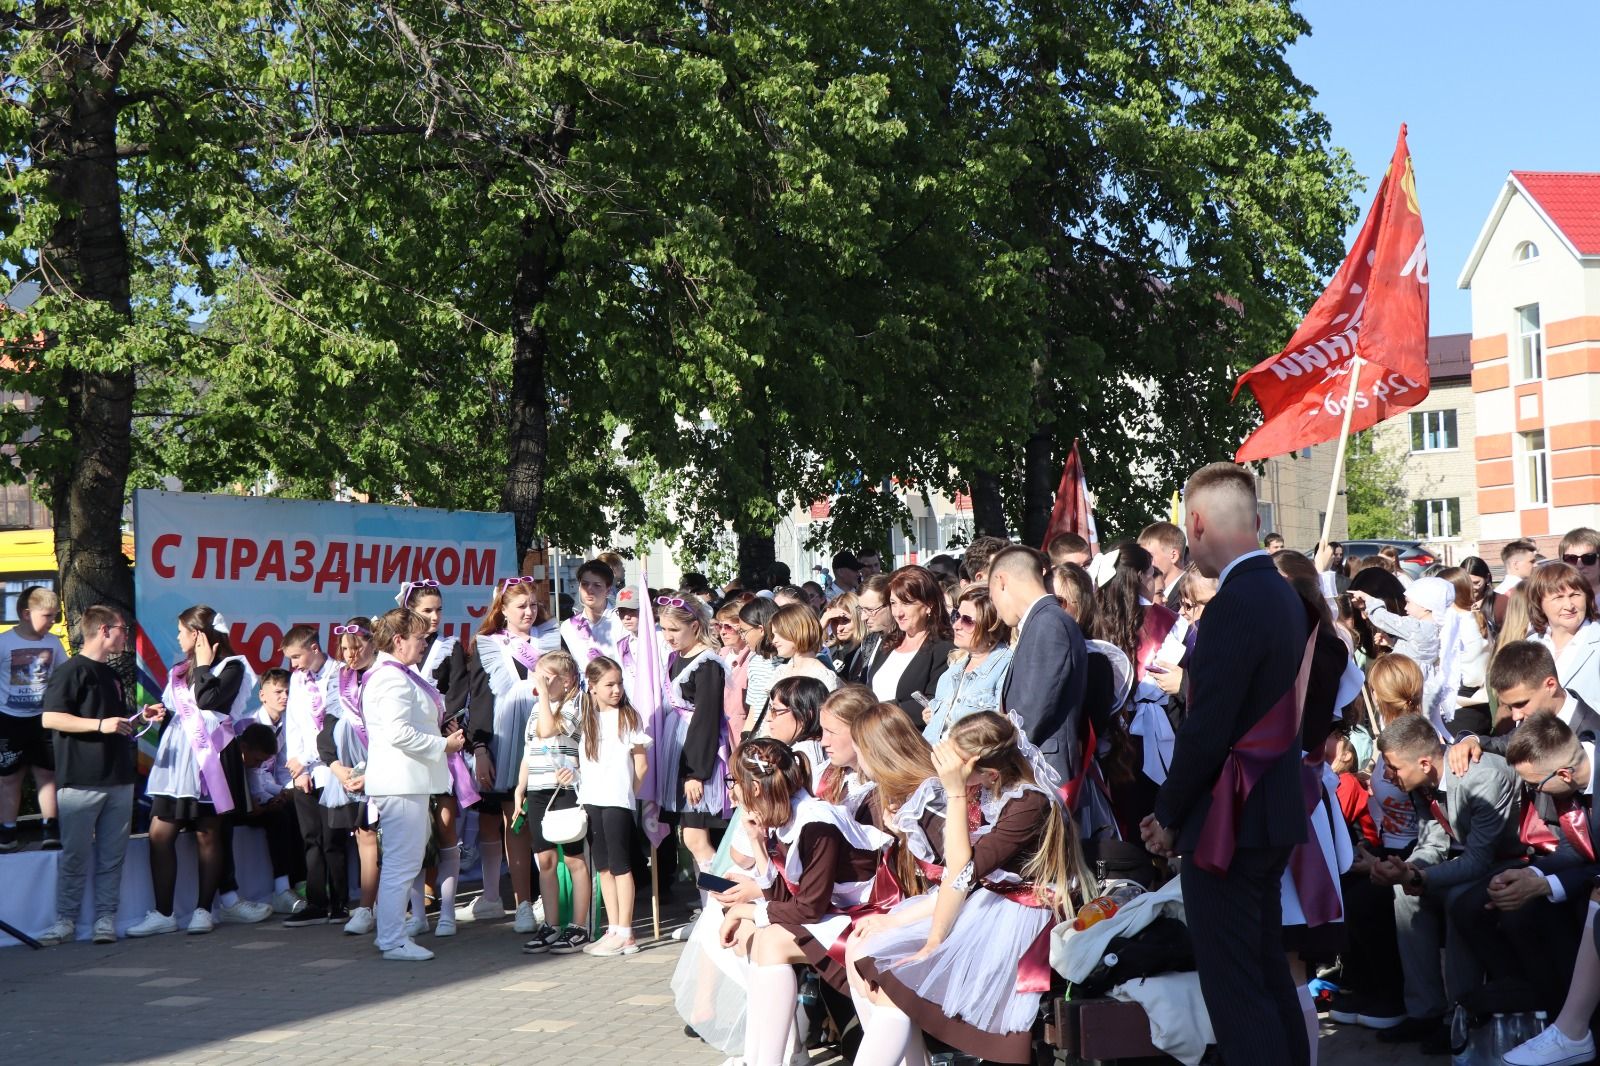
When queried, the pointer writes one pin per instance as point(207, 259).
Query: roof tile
point(1572, 201)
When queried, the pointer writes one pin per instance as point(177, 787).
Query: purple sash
point(584, 628)
point(350, 686)
point(522, 649)
point(207, 749)
point(461, 783)
point(314, 687)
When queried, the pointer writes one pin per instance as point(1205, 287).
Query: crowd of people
point(1376, 775)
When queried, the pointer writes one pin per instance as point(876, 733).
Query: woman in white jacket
point(405, 767)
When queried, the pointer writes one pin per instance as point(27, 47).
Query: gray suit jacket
point(1484, 809)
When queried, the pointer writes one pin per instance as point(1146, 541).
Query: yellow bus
point(28, 558)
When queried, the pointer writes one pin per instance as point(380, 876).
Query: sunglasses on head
point(1587, 559)
point(349, 631)
point(512, 582)
point(672, 601)
point(412, 587)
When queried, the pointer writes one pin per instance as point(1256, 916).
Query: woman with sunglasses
point(694, 751)
point(797, 638)
point(514, 633)
point(342, 746)
point(978, 666)
point(762, 662)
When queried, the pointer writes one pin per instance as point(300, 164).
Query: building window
point(1437, 519)
point(1527, 250)
point(1530, 343)
point(1433, 431)
point(1533, 480)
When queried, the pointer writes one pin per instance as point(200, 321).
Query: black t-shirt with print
point(90, 689)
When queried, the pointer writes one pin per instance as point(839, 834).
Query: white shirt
point(607, 780)
point(1558, 892)
point(1226, 570)
point(603, 636)
point(25, 669)
point(300, 726)
point(1508, 584)
point(886, 678)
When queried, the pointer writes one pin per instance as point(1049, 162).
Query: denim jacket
point(960, 693)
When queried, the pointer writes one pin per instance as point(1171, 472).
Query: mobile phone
point(713, 883)
point(1153, 668)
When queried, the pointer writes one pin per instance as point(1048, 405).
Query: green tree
point(1375, 499)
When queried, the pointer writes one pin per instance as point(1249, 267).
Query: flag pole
point(655, 849)
point(1338, 456)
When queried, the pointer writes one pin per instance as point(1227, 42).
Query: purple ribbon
point(350, 685)
point(461, 782)
point(314, 687)
point(522, 649)
point(581, 624)
point(213, 782)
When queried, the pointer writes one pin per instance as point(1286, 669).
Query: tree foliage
point(661, 266)
point(1375, 495)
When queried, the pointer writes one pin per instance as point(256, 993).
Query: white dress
point(176, 771)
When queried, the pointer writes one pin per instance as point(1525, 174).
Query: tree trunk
point(757, 552)
point(1039, 479)
point(85, 259)
point(988, 508)
point(528, 404)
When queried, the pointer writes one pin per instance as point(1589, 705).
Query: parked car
point(1414, 558)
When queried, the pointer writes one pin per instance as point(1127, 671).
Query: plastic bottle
point(1096, 910)
point(1500, 1037)
point(1460, 1037)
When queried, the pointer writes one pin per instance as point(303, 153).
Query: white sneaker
point(1551, 1048)
point(105, 929)
point(361, 922)
point(200, 922)
point(286, 902)
point(410, 951)
point(416, 925)
point(482, 910)
point(538, 912)
point(63, 931)
point(154, 924)
point(682, 932)
point(245, 912)
point(525, 922)
point(446, 926)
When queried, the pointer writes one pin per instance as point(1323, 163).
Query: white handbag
point(566, 826)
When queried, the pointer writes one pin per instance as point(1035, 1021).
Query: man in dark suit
point(1241, 676)
point(1544, 907)
point(1045, 685)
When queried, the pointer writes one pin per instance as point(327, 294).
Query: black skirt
point(184, 811)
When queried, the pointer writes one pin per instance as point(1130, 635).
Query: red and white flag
point(1072, 513)
point(1375, 309)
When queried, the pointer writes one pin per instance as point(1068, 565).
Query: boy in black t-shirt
point(94, 749)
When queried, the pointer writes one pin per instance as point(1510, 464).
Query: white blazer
point(405, 755)
point(1578, 666)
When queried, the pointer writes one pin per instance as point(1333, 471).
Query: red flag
point(1376, 308)
point(1072, 513)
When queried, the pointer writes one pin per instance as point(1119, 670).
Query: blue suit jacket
point(1045, 686)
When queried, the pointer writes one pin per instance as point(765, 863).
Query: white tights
point(1584, 992)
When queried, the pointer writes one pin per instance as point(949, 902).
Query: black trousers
point(1537, 942)
point(327, 853)
point(1236, 924)
point(284, 845)
point(1371, 955)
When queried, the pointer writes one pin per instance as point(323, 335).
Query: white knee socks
point(1308, 1007)
point(770, 1014)
point(449, 872)
point(493, 851)
point(886, 1038)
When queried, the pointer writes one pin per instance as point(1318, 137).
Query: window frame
point(1520, 354)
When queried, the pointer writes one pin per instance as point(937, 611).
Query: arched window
point(1527, 250)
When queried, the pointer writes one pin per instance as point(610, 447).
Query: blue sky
point(1485, 87)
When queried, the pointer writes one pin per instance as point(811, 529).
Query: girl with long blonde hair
point(1004, 884)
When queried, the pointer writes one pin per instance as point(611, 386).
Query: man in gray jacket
point(1467, 829)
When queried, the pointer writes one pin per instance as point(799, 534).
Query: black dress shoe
point(1413, 1029)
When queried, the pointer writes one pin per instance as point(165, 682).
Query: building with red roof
point(1534, 274)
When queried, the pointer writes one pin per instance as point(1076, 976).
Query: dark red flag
point(1072, 513)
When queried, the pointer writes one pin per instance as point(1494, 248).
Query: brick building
point(1534, 274)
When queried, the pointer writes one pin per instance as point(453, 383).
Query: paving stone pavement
point(263, 994)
